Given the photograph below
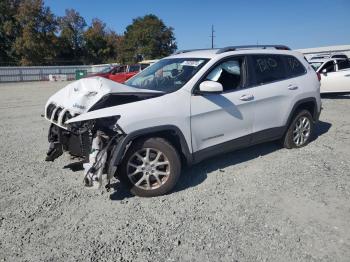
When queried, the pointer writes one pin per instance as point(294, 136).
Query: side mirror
point(324, 71)
point(210, 87)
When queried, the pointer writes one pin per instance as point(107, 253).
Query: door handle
point(292, 87)
point(347, 75)
point(246, 97)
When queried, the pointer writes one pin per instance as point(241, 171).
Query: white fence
point(41, 73)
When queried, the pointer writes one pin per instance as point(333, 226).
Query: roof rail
point(233, 48)
point(190, 50)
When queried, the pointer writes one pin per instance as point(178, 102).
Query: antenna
point(212, 36)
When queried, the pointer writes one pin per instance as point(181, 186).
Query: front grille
point(66, 117)
point(50, 108)
point(57, 113)
point(53, 113)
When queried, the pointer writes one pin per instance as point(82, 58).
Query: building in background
point(310, 52)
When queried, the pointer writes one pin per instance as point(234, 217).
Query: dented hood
point(89, 94)
point(79, 96)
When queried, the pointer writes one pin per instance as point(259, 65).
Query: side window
point(143, 66)
point(121, 69)
point(294, 67)
point(343, 64)
point(268, 68)
point(134, 68)
point(329, 66)
point(228, 73)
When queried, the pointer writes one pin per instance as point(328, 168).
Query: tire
point(144, 174)
point(305, 131)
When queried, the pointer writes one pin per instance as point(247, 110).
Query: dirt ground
point(262, 203)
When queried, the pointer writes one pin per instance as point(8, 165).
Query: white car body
point(186, 111)
point(336, 80)
point(205, 123)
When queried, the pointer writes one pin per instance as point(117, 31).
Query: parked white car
point(181, 110)
point(329, 55)
point(334, 74)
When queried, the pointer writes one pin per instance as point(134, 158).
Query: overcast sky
point(297, 23)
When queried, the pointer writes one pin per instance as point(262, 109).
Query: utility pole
point(212, 36)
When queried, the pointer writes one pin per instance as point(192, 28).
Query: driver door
point(224, 121)
point(328, 77)
point(119, 75)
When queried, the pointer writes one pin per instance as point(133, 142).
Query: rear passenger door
point(275, 87)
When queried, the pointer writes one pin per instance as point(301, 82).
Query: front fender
point(121, 147)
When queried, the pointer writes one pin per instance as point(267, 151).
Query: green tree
point(101, 44)
point(95, 42)
point(149, 37)
point(37, 42)
point(71, 37)
point(8, 31)
point(113, 46)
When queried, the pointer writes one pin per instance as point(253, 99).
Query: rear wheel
point(300, 130)
point(151, 167)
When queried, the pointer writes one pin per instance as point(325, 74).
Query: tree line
point(30, 34)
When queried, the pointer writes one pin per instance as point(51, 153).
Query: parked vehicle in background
point(183, 109)
point(334, 74)
point(121, 73)
point(325, 56)
point(105, 72)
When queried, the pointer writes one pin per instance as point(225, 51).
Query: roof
point(152, 61)
point(322, 60)
point(324, 49)
point(203, 53)
point(210, 53)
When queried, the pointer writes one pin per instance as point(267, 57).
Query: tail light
point(319, 76)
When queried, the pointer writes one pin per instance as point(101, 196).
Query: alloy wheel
point(301, 131)
point(148, 168)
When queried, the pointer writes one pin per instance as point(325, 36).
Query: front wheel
point(299, 131)
point(151, 167)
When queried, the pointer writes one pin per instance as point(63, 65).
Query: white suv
point(185, 108)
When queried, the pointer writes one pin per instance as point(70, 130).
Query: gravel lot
point(263, 203)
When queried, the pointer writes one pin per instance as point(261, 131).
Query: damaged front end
point(91, 142)
point(93, 139)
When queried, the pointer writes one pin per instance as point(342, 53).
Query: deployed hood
point(89, 94)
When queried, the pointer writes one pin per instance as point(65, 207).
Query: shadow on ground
point(75, 166)
point(196, 174)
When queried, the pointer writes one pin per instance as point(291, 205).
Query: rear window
point(268, 68)
point(294, 66)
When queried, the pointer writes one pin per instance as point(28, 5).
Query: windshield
point(167, 75)
point(316, 65)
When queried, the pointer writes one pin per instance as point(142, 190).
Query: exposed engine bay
point(94, 140)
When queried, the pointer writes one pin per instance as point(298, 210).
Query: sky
point(297, 23)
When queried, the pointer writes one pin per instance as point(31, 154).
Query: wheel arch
point(169, 132)
point(309, 104)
